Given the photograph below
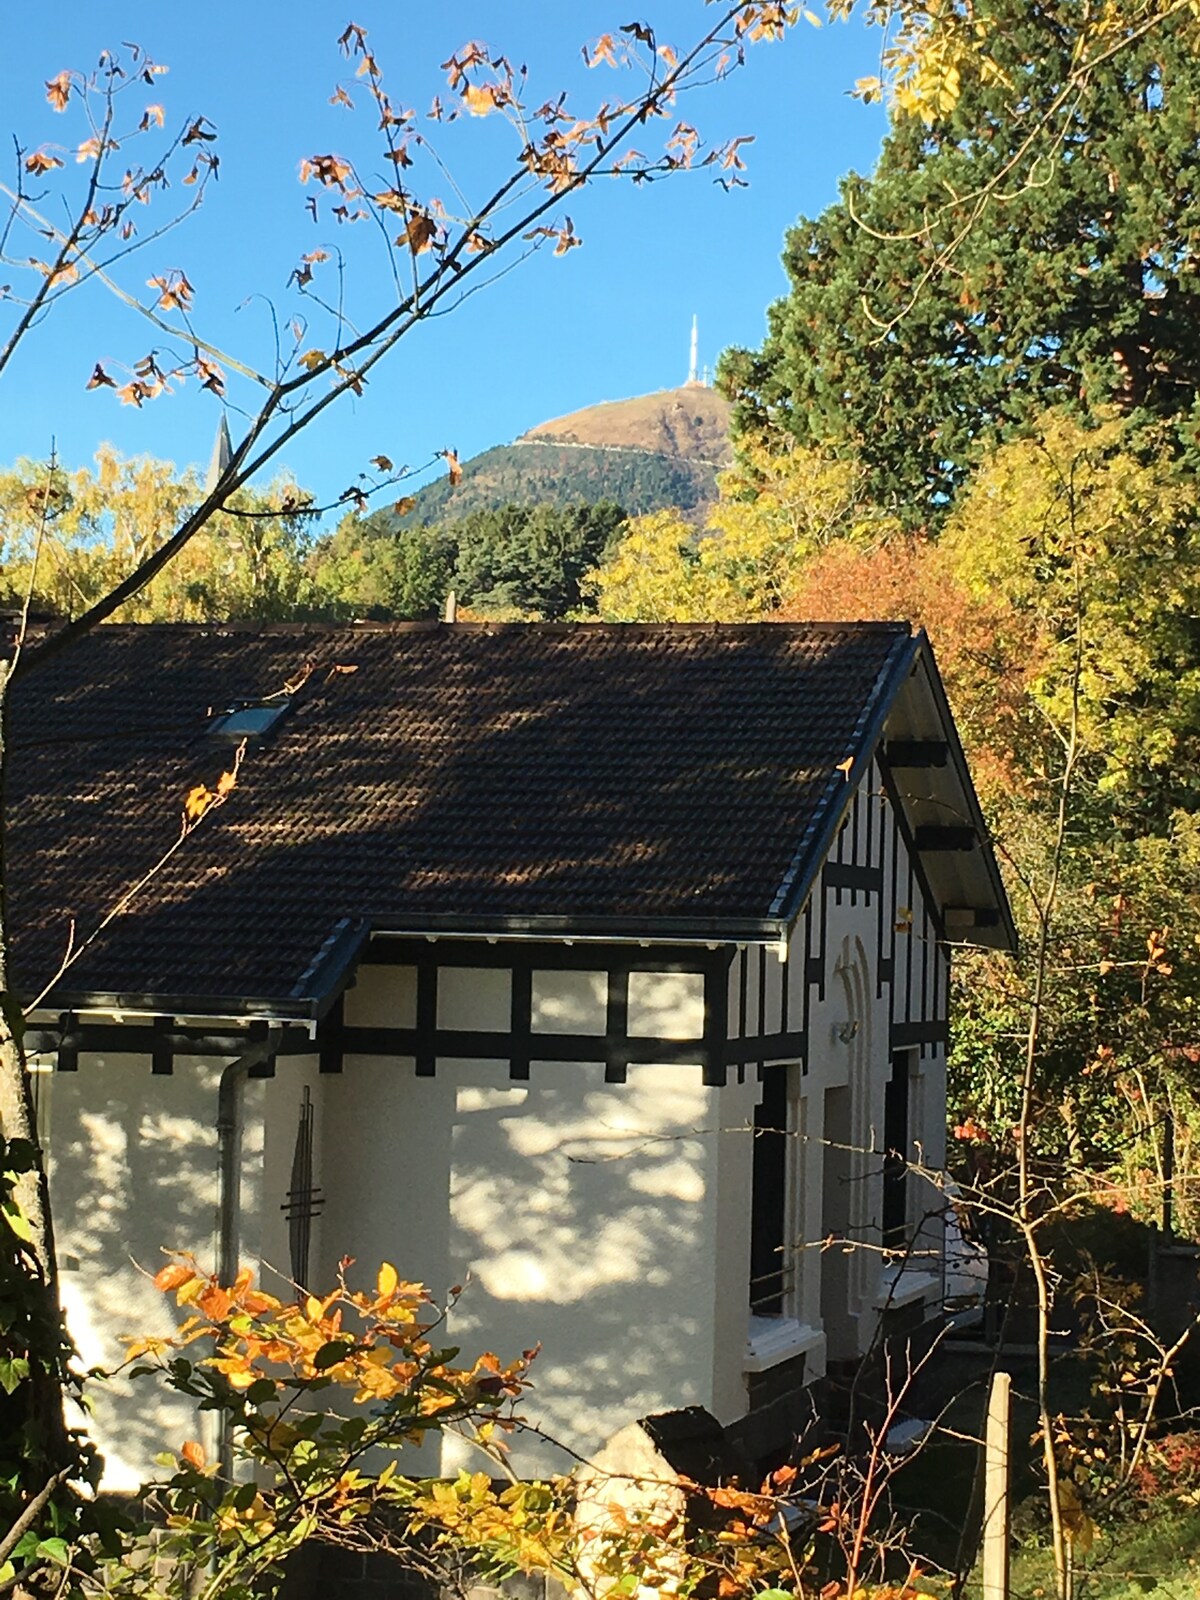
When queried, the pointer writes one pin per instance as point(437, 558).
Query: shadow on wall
point(133, 1171)
point(584, 1214)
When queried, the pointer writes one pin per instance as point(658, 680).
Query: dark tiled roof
point(656, 776)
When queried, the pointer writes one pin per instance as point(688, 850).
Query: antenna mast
point(692, 377)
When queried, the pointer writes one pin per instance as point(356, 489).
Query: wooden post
point(996, 1491)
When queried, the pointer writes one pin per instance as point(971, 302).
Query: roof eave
point(797, 884)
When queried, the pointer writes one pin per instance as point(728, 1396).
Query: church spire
point(221, 456)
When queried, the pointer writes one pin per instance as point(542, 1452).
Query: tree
point(67, 537)
point(331, 1395)
point(1034, 242)
point(776, 511)
point(76, 229)
point(531, 559)
point(360, 571)
point(1062, 594)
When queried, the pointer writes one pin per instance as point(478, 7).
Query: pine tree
point(1036, 245)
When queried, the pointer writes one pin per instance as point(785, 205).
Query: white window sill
point(773, 1340)
point(899, 1287)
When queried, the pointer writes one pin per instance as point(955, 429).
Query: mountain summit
point(647, 453)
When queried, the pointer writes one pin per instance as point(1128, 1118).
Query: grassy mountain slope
point(647, 453)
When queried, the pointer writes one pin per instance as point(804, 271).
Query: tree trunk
point(33, 1296)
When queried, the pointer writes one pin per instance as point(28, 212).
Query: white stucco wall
point(133, 1169)
point(608, 1223)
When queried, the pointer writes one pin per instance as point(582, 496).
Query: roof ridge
point(487, 625)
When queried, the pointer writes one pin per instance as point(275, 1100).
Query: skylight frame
point(249, 721)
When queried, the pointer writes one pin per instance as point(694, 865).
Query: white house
point(593, 968)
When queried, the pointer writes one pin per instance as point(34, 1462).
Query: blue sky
point(608, 320)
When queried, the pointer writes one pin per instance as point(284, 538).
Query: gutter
point(229, 1201)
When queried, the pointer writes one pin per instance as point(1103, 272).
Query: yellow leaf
point(226, 782)
point(481, 99)
point(312, 359)
point(198, 801)
point(388, 1280)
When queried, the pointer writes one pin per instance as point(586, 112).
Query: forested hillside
point(646, 454)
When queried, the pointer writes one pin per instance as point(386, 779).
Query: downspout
point(229, 1202)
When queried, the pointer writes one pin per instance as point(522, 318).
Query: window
point(896, 1147)
point(248, 719)
point(771, 1249)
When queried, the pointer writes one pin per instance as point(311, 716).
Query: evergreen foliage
point(534, 472)
point(993, 265)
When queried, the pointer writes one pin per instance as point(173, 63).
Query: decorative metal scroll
point(304, 1200)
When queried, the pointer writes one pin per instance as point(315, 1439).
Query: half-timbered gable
point(600, 972)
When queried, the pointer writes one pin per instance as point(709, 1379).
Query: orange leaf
point(193, 1454)
point(172, 1276)
point(226, 782)
point(452, 467)
point(384, 463)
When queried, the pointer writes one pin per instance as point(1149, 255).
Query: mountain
point(646, 454)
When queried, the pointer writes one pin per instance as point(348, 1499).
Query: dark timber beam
point(933, 836)
point(916, 753)
point(971, 917)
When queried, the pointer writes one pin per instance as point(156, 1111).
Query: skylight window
point(248, 719)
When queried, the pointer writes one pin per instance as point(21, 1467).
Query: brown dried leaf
point(58, 91)
point(41, 161)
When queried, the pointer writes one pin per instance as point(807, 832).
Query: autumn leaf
point(384, 463)
point(41, 161)
point(404, 505)
point(388, 1280)
point(482, 98)
point(568, 239)
point(58, 91)
point(211, 377)
point(197, 802)
point(173, 1276)
point(198, 132)
point(339, 97)
point(329, 170)
point(641, 32)
point(455, 471)
point(153, 116)
point(193, 1454)
point(603, 50)
point(226, 782)
point(312, 359)
point(174, 291)
point(420, 233)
